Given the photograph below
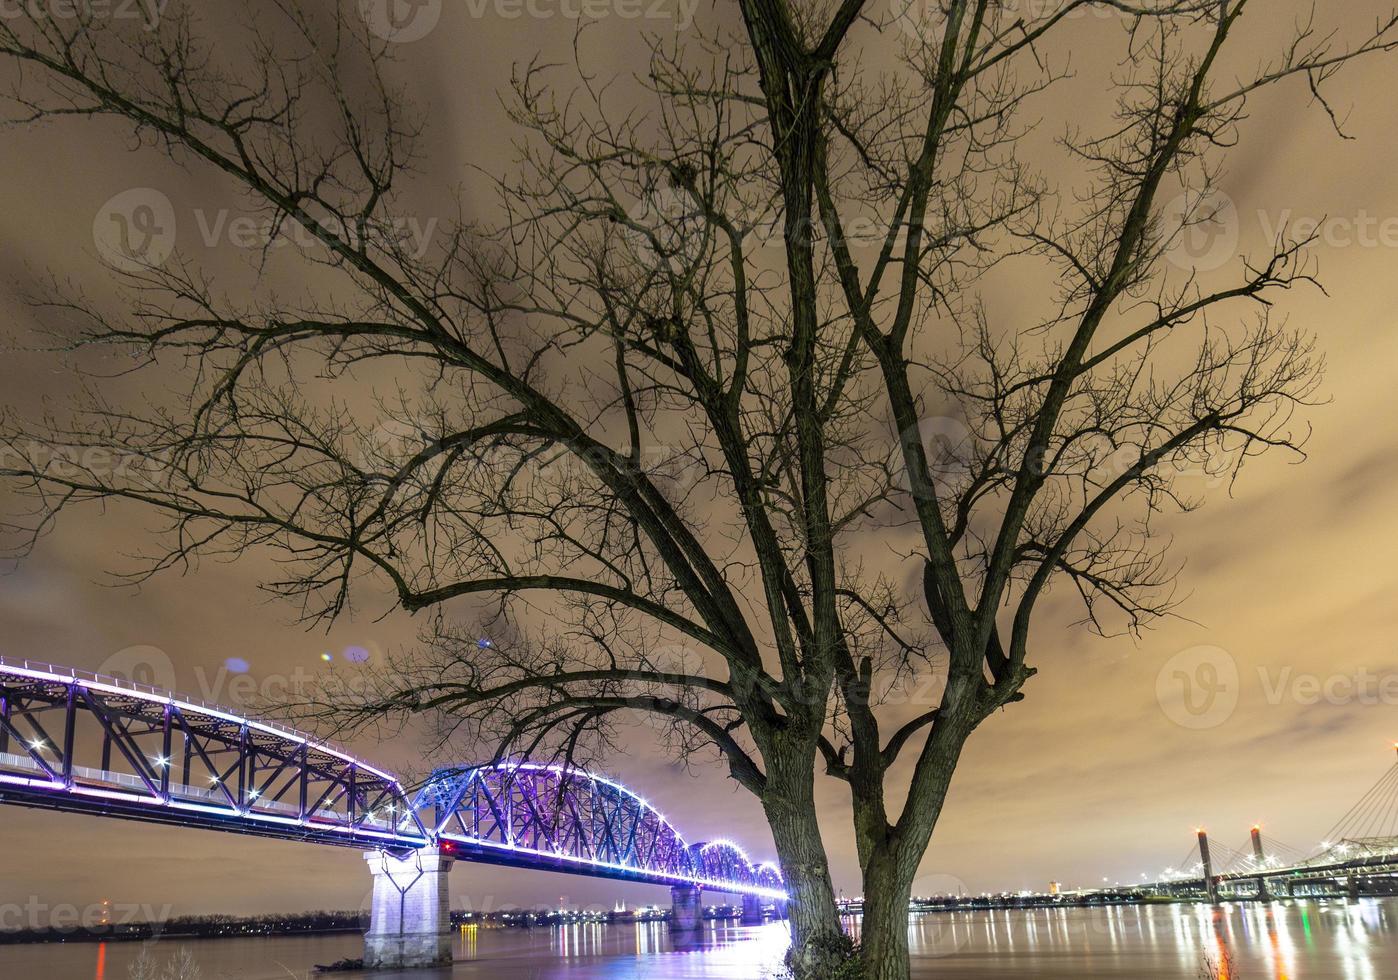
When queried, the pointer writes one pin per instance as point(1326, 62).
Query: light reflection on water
point(1291, 941)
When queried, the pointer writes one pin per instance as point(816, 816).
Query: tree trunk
point(818, 945)
point(883, 934)
point(891, 856)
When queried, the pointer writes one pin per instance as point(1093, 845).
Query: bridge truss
point(563, 819)
point(79, 742)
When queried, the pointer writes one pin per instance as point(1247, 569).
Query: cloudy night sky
point(1091, 777)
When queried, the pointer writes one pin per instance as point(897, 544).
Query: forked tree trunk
point(891, 859)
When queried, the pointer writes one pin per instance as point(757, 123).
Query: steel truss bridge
point(82, 743)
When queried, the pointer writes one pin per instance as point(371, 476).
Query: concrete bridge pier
point(1352, 888)
point(686, 908)
point(752, 910)
point(410, 919)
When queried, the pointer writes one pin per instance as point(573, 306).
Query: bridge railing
point(161, 694)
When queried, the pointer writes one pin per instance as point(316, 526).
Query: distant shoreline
point(305, 924)
point(25, 939)
point(185, 929)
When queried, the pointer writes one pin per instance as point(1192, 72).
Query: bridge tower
point(1210, 882)
point(1261, 857)
point(752, 911)
point(410, 918)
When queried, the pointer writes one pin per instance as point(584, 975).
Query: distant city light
point(237, 665)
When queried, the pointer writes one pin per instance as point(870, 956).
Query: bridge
point(82, 743)
point(1358, 856)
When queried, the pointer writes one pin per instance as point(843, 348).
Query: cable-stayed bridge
point(1358, 856)
point(81, 743)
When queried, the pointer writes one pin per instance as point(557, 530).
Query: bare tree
point(729, 338)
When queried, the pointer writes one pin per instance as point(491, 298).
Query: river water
point(1285, 941)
